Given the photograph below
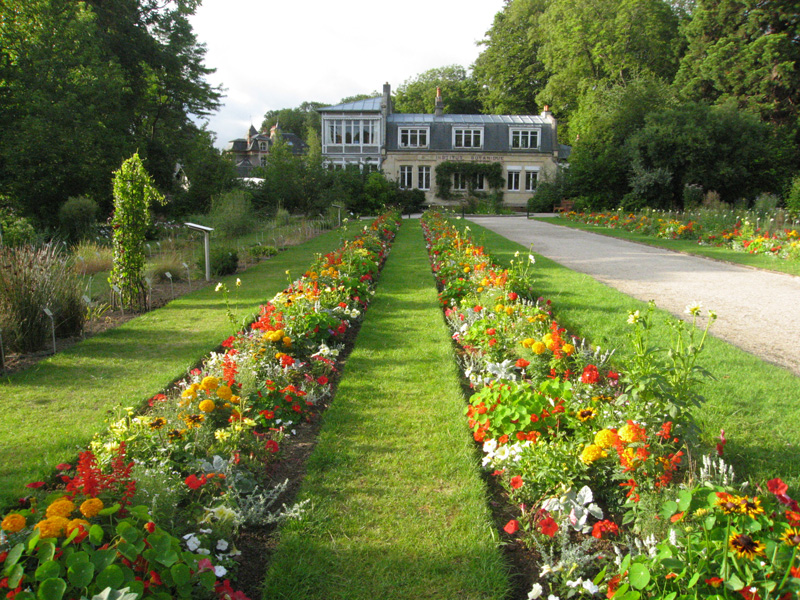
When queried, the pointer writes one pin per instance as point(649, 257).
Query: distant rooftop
point(408, 118)
point(368, 105)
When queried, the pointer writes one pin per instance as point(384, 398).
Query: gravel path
point(758, 311)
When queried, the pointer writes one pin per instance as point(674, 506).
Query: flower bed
point(745, 235)
point(155, 504)
point(595, 452)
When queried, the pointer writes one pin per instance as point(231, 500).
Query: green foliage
point(258, 251)
point(298, 121)
point(15, 230)
point(224, 261)
point(508, 72)
point(493, 173)
point(133, 194)
point(793, 198)
point(231, 214)
point(459, 92)
point(379, 191)
point(77, 218)
point(32, 279)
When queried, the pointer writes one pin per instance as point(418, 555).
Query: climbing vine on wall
point(492, 173)
point(133, 193)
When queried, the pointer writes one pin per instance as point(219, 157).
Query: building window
point(424, 178)
point(352, 132)
point(478, 182)
point(370, 132)
point(459, 182)
point(531, 178)
point(513, 180)
point(263, 161)
point(262, 146)
point(334, 132)
point(525, 139)
point(467, 138)
point(406, 177)
point(413, 137)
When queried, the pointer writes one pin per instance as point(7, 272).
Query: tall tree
point(508, 71)
point(747, 51)
point(459, 92)
point(294, 120)
point(586, 43)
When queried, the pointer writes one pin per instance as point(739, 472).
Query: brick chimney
point(386, 102)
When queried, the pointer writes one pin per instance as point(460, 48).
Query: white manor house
point(409, 147)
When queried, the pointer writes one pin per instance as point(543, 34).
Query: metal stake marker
point(49, 313)
point(168, 275)
point(188, 275)
point(149, 283)
point(88, 302)
point(119, 293)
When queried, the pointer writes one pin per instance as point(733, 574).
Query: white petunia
point(222, 545)
point(220, 571)
point(536, 591)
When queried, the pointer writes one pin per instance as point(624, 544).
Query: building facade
point(410, 147)
point(251, 152)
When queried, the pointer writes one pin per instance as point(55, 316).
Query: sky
point(271, 55)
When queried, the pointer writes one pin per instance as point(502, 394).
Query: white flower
point(219, 287)
point(238, 282)
point(590, 587)
point(204, 551)
point(553, 597)
point(220, 571)
point(693, 308)
point(633, 317)
point(192, 543)
point(222, 545)
point(489, 446)
point(535, 592)
point(531, 259)
point(502, 453)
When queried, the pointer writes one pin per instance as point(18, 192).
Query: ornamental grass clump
point(32, 280)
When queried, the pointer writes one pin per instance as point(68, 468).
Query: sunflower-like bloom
point(791, 537)
point(744, 546)
point(586, 414)
point(194, 421)
point(158, 423)
point(750, 507)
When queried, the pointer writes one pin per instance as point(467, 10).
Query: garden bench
point(564, 206)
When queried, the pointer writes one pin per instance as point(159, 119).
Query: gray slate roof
point(450, 119)
point(369, 105)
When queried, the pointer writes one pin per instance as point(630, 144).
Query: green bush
point(282, 218)
point(231, 214)
point(793, 198)
point(32, 279)
point(15, 230)
point(262, 251)
point(77, 218)
point(224, 261)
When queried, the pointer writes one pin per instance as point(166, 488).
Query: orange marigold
point(13, 523)
point(62, 507)
point(91, 507)
point(52, 527)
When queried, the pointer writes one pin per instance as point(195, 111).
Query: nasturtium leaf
point(140, 512)
point(110, 510)
point(693, 580)
point(709, 522)
point(110, 577)
point(77, 558)
point(81, 574)
point(734, 583)
point(96, 534)
point(48, 570)
point(52, 589)
point(12, 558)
point(15, 576)
point(103, 558)
point(180, 574)
point(639, 576)
point(46, 551)
point(684, 500)
point(25, 595)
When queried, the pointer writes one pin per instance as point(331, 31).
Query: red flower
point(522, 363)
point(498, 472)
point(602, 527)
point(194, 482)
point(204, 565)
point(155, 578)
point(271, 446)
point(517, 482)
point(722, 442)
point(511, 527)
point(512, 296)
point(35, 485)
point(150, 527)
point(267, 414)
point(64, 467)
point(548, 526)
point(715, 581)
point(590, 375)
point(478, 308)
point(491, 331)
point(777, 486)
point(322, 380)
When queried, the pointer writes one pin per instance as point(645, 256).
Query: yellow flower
point(568, 349)
point(52, 527)
point(591, 453)
point(287, 341)
point(210, 383)
point(189, 393)
point(224, 392)
point(60, 508)
point(207, 405)
point(527, 342)
point(13, 523)
point(605, 438)
point(585, 414)
point(744, 546)
point(791, 536)
point(538, 348)
point(499, 308)
point(235, 399)
point(91, 507)
point(75, 523)
point(631, 432)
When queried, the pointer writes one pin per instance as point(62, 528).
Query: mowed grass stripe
point(53, 409)
point(397, 508)
point(755, 402)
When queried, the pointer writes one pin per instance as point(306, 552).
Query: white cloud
point(270, 56)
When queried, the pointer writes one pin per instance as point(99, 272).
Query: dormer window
point(262, 146)
point(523, 139)
point(467, 138)
point(413, 137)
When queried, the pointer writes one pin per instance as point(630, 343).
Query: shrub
point(90, 258)
point(77, 218)
point(15, 230)
point(167, 262)
point(262, 251)
point(282, 218)
point(793, 198)
point(32, 279)
point(232, 214)
point(224, 261)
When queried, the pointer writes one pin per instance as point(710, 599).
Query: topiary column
point(133, 193)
